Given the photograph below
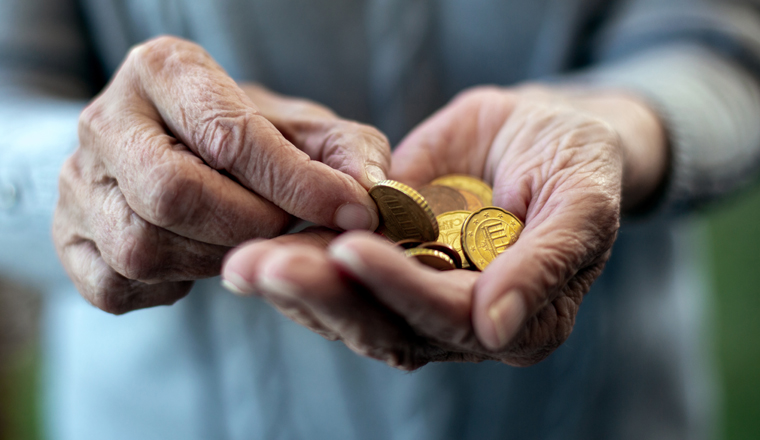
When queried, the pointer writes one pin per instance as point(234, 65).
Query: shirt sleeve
point(43, 88)
point(698, 65)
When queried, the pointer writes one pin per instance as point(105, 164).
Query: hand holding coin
point(552, 164)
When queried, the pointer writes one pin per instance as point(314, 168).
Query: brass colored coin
point(450, 225)
point(473, 202)
point(443, 198)
point(404, 213)
point(487, 233)
point(446, 249)
point(408, 243)
point(467, 183)
point(431, 258)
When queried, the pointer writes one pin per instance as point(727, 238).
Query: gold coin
point(450, 225)
point(443, 198)
point(408, 244)
point(467, 183)
point(446, 249)
point(404, 213)
point(431, 258)
point(473, 202)
point(487, 233)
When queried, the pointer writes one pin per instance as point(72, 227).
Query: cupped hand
point(177, 163)
point(559, 160)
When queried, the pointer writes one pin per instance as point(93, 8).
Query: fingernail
point(374, 173)
point(277, 286)
point(355, 216)
point(236, 284)
point(348, 258)
point(507, 315)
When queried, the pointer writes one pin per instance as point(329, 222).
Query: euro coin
point(488, 233)
point(404, 213)
point(467, 183)
point(446, 249)
point(450, 225)
point(431, 258)
point(443, 198)
point(473, 202)
point(408, 244)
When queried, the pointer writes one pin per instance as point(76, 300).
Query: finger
point(242, 264)
point(456, 139)
point(210, 114)
point(132, 247)
point(301, 277)
point(170, 187)
point(98, 283)
point(359, 150)
point(436, 304)
point(107, 290)
point(534, 274)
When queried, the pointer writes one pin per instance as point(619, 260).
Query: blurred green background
point(735, 239)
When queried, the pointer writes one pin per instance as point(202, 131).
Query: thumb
point(554, 262)
point(359, 150)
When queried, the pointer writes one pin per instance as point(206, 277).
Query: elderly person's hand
point(177, 163)
point(558, 160)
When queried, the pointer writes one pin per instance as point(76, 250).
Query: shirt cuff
point(710, 108)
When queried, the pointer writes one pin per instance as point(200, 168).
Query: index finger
point(207, 110)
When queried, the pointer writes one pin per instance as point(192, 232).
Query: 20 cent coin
point(488, 233)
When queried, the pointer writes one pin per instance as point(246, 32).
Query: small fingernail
point(374, 173)
point(277, 286)
point(236, 284)
point(507, 315)
point(355, 216)
point(348, 258)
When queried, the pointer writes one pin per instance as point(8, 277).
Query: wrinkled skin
point(177, 164)
point(560, 160)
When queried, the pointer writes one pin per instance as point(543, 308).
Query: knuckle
point(534, 90)
point(166, 54)
point(116, 295)
point(476, 95)
point(92, 120)
point(108, 296)
point(306, 190)
point(107, 290)
point(129, 247)
point(134, 255)
point(558, 262)
point(154, 50)
point(69, 172)
point(374, 136)
point(171, 195)
point(224, 137)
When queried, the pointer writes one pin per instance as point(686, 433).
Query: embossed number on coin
point(487, 233)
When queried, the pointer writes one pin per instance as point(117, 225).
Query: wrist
point(643, 142)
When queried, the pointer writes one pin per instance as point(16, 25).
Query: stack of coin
point(447, 224)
